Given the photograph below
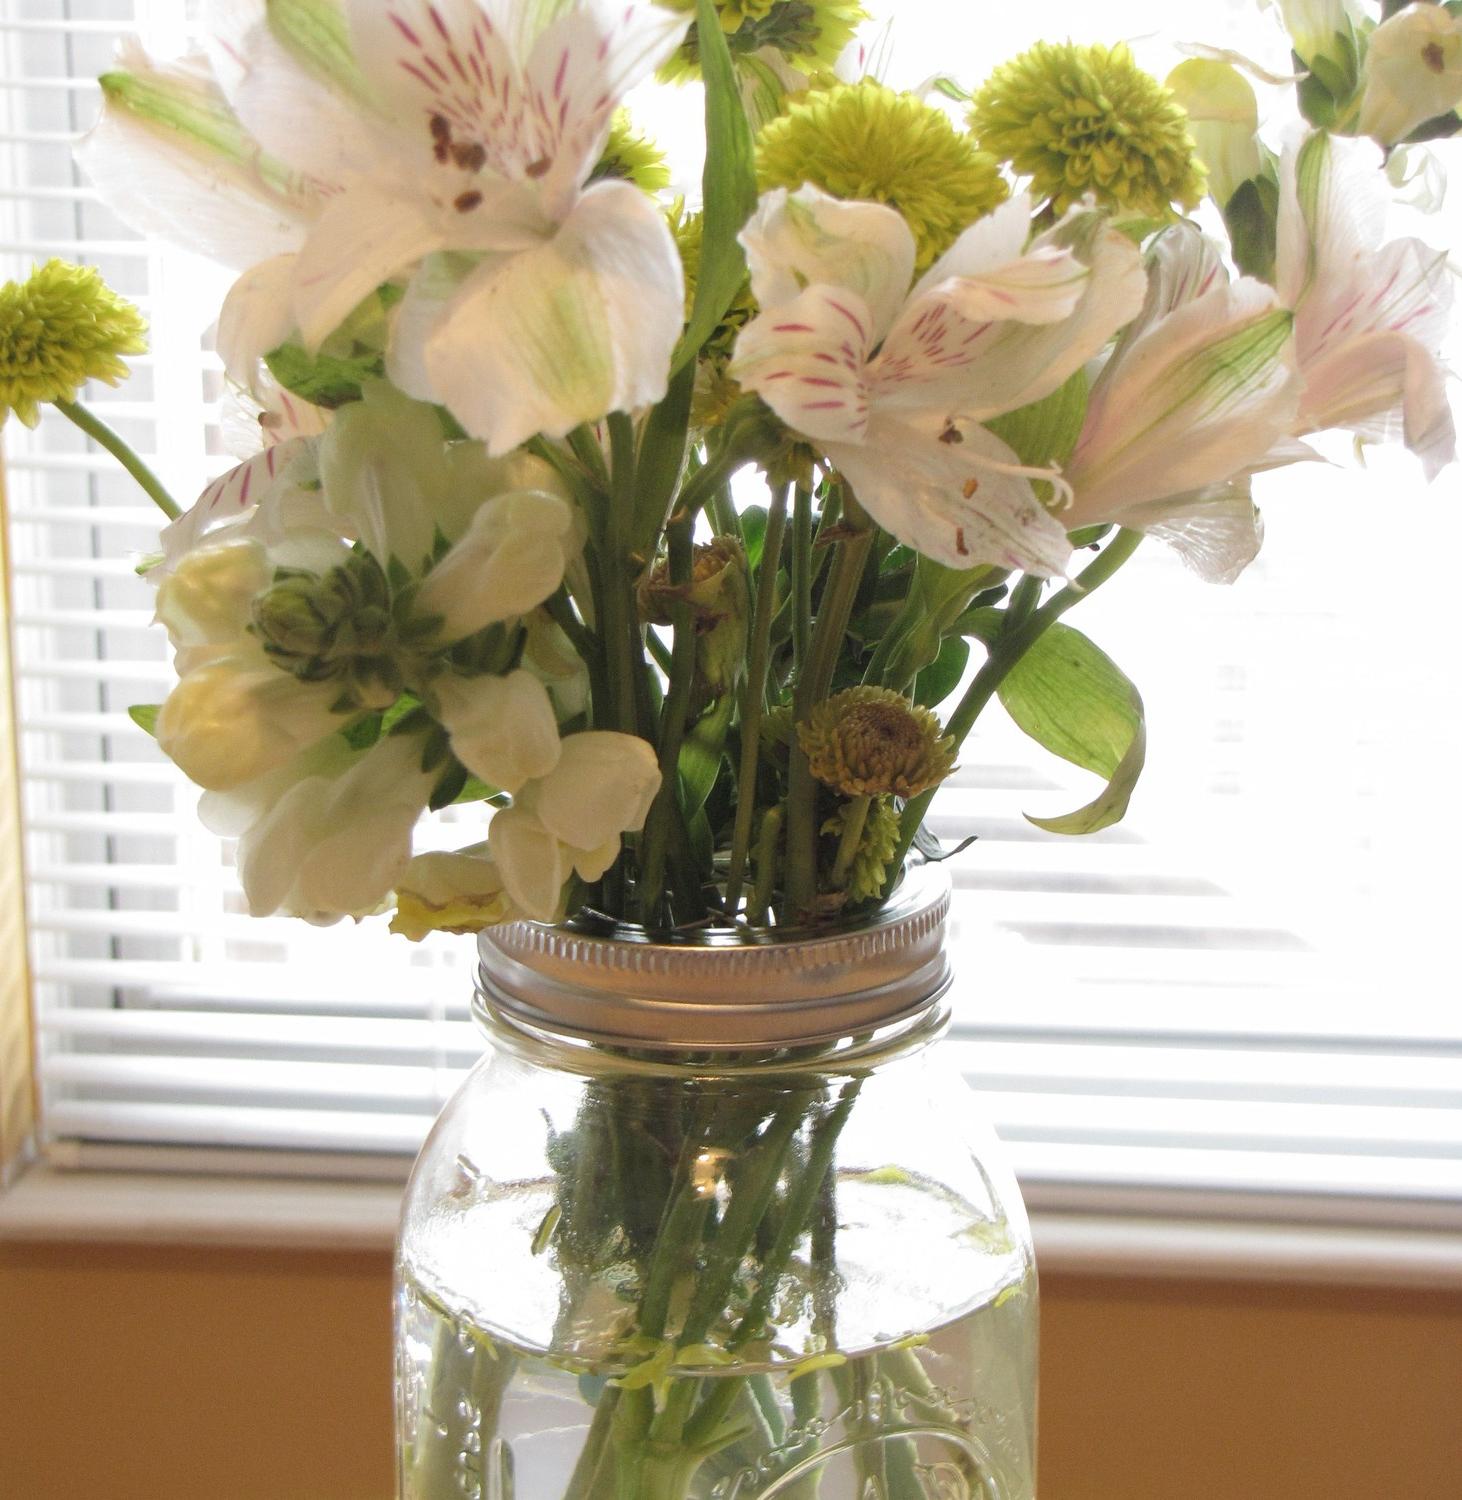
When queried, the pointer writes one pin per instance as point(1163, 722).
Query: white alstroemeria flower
point(573, 819)
point(330, 835)
point(1370, 314)
point(451, 892)
point(892, 382)
point(468, 129)
point(1413, 72)
point(1195, 399)
point(503, 729)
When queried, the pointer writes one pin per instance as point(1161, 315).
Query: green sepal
point(728, 188)
point(1252, 217)
point(364, 733)
point(144, 716)
point(1070, 697)
point(450, 785)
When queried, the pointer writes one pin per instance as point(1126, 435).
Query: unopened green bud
point(719, 595)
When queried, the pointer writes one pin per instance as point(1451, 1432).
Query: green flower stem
point(814, 681)
point(802, 579)
point(621, 622)
point(767, 845)
point(672, 729)
point(801, 1201)
point(856, 820)
point(99, 432)
point(585, 447)
point(1007, 652)
point(754, 696)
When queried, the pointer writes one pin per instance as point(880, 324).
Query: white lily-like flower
point(893, 382)
point(448, 143)
point(1196, 398)
point(1370, 314)
point(1413, 72)
point(329, 835)
point(573, 819)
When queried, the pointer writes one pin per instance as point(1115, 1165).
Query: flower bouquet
point(689, 543)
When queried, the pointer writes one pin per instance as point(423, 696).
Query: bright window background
point(1243, 994)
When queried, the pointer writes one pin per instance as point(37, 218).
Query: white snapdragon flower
point(445, 142)
point(1370, 313)
point(264, 677)
point(1318, 28)
point(1413, 72)
point(460, 891)
point(892, 382)
point(1196, 398)
point(573, 819)
point(503, 729)
point(329, 835)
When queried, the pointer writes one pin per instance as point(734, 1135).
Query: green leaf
point(323, 379)
point(364, 733)
point(144, 716)
point(728, 188)
point(1048, 431)
point(701, 753)
point(661, 459)
point(938, 680)
point(1070, 697)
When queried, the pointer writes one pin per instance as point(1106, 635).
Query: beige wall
point(130, 1374)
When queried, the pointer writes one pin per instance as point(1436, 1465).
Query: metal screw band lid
point(724, 989)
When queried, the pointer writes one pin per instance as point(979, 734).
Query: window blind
point(1242, 997)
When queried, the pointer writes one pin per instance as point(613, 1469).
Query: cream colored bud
point(1413, 73)
point(206, 599)
point(1223, 119)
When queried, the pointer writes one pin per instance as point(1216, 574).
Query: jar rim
point(723, 989)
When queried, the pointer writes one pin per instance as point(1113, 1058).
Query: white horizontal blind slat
point(1174, 1007)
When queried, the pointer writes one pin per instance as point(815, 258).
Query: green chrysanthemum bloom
point(1080, 120)
point(863, 140)
point(877, 845)
point(808, 34)
point(633, 157)
point(61, 328)
point(872, 742)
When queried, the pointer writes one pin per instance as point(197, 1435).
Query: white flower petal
point(953, 502)
point(808, 360)
point(1202, 397)
point(169, 159)
point(806, 238)
point(602, 787)
point(367, 236)
point(1217, 532)
point(510, 559)
point(531, 862)
point(256, 319)
point(547, 339)
point(503, 729)
point(938, 359)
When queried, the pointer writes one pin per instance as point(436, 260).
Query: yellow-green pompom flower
point(59, 329)
point(863, 141)
point(872, 742)
point(632, 157)
point(878, 843)
point(1079, 120)
point(810, 35)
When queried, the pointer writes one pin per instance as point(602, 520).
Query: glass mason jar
point(713, 1220)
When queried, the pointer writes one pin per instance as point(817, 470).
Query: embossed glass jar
point(713, 1220)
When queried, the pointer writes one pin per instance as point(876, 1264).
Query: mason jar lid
point(724, 989)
